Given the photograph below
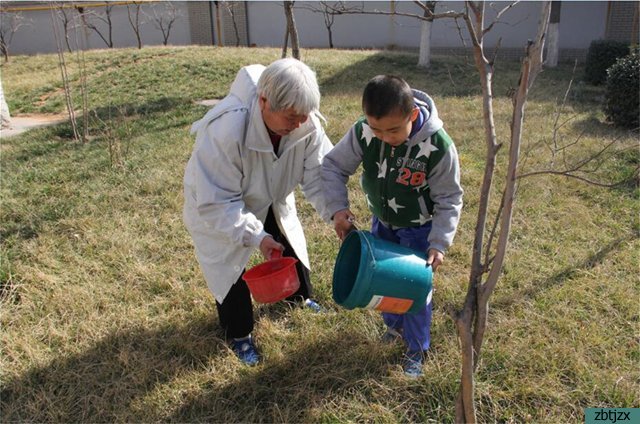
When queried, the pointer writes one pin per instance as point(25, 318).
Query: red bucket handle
point(276, 254)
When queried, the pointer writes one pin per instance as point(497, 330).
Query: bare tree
point(471, 321)
point(66, 83)
point(66, 18)
point(118, 133)
point(90, 17)
point(428, 15)
point(329, 10)
point(133, 13)
point(230, 7)
point(292, 31)
point(10, 23)
point(164, 19)
point(81, 39)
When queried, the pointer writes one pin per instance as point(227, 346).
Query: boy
point(411, 180)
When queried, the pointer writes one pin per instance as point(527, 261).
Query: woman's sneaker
point(412, 365)
point(313, 305)
point(246, 351)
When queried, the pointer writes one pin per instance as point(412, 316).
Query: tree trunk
point(553, 46)
point(424, 59)
point(285, 46)
point(476, 306)
point(293, 32)
point(330, 37)
point(218, 24)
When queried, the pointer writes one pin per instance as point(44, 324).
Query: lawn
point(106, 317)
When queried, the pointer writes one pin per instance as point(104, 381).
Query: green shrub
point(622, 96)
point(601, 55)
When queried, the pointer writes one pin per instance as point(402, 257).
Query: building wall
point(200, 25)
point(622, 22)
point(37, 35)
point(581, 22)
point(263, 23)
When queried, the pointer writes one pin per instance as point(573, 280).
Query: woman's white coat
point(234, 176)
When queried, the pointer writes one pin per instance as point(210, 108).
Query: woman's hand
point(343, 222)
point(268, 245)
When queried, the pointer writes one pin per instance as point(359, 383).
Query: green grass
point(106, 318)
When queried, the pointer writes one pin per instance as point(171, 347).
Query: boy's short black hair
point(387, 94)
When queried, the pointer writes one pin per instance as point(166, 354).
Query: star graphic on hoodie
point(367, 134)
point(382, 168)
point(426, 148)
point(366, 196)
point(421, 186)
point(393, 205)
point(421, 220)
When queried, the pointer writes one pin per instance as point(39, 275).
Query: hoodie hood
point(432, 123)
point(241, 95)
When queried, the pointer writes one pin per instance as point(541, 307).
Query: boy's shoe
point(391, 335)
point(412, 365)
point(313, 305)
point(246, 351)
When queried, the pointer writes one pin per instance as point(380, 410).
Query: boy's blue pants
point(416, 328)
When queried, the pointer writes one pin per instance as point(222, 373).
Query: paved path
point(22, 123)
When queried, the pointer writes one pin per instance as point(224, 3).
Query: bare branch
point(492, 233)
point(329, 12)
point(569, 174)
point(134, 20)
point(500, 13)
point(89, 16)
point(10, 23)
point(362, 11)
point(165, 19)
point(230, 7)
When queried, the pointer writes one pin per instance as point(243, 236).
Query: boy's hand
point(435, 259)
point(268, 245)
point(343, 222)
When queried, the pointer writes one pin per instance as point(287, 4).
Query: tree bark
point(553, 36)
point(293, 32)
point(476, 305)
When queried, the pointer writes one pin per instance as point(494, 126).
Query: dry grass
point(105, 316)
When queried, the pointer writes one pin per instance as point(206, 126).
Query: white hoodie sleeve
point(311, 183)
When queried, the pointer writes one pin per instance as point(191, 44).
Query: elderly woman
point(251, 151)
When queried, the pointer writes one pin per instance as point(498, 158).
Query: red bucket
point(273, 280)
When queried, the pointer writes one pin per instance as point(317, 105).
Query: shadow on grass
point(451, 76)
point(286, 390)
point(98, 385)
point(568, 273)
point(111, 381)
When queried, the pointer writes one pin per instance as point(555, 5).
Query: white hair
point(289, 83)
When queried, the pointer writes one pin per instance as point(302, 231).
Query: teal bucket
point(377, 274)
